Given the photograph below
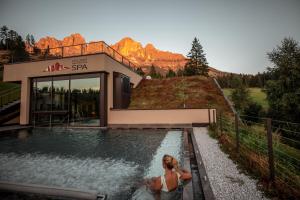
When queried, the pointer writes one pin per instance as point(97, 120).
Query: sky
point(235, 34)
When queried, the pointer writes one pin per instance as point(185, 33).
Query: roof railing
point(36, 54)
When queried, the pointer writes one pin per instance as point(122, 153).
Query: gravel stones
point(226, 180)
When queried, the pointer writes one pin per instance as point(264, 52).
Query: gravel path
point(226, 181)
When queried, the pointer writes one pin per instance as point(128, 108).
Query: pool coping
point(51, 191)
point(188, 192)
point(205, 183)
point(154, 126)
point(8, 128)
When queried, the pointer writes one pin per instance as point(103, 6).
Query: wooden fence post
point(270, 150)
point(209, 116)
point(214, 116)
point(237, 133)
point(221, 124)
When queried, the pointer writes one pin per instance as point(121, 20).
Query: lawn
point(256, 94)
point(7, 86)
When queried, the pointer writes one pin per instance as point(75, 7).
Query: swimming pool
point(112, 162)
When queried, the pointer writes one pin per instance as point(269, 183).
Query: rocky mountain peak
point(133, 50)
point(73, 39)
point(150, 47)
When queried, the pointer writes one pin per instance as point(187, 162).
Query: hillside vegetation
point(256, 94)
point(178, 92)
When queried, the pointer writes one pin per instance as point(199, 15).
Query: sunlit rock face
point(142, 56)
point(49, 42)
point(128, 47)
point(133, 50)
point(73, 39)
point(52, 42)
point(149, 55)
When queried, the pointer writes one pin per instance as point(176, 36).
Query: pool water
point(112, 162)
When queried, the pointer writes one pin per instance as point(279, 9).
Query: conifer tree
point(180, 72)
point(197, 64)
point(170, 73)
point(140, 71)
point(153, 73)
point(283, 88)
point(4, 35)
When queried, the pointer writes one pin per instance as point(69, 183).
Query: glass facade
point(84, 104)
point(73, 100)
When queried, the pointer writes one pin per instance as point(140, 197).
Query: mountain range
point(142, 56)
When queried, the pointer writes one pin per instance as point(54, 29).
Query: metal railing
point(36, 54)
point(9, 96)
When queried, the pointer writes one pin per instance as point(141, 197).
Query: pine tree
point(180, 72)
point(170, 73)
point(27, 39)
point(32, 40)
point(18, 50)
point(4, 35)
point(12, 39)
point(283, 88)
point(197, 64)
point(240, 95)
point(153, 73)
point(140, 71)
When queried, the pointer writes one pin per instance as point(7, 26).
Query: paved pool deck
point(226, 181)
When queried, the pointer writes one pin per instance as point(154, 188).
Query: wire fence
point(266, 147)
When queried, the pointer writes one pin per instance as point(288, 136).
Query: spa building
point(88, 85)
point(73, 85)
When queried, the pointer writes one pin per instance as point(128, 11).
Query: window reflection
point(43, 98)
point(43, 101)
point(69, 99)
point(85, 103)
point(60, 100)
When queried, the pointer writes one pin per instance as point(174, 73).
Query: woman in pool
point(167, 186)
point(172, 177)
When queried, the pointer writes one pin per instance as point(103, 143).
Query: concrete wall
point(22, 72)
point(171, 116)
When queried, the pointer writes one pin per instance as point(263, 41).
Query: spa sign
point(55, 67)
point(76, 64)
point(79, 64)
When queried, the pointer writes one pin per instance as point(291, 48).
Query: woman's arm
point(184, 174)
point(155, 184)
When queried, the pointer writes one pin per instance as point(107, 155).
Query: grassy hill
point(4, 58)
point(178, 92)
point(256, 94)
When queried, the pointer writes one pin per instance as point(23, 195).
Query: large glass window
point(67, 99)
point(43, 100)
point(60, 105)
point(85, 95)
